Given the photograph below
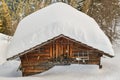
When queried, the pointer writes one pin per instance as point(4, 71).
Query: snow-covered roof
point(58, 18)
point(4, 41)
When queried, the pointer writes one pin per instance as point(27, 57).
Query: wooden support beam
point(71, 50)
point(57, 50)
point(51, 51)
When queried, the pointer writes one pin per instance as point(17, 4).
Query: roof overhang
point(44, 43)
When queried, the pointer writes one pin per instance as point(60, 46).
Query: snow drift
point(56, 19)
point(4, 41)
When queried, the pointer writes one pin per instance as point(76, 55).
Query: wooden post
point(51, 51)
point(71, 49)
point(100, 66)
point(57, 49)
point(27, 59)
point(68, 48)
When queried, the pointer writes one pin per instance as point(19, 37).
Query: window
point(83, 55)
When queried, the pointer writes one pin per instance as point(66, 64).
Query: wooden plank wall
point(53, 50)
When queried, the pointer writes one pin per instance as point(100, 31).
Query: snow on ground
point(110, 71)
point(10, 69)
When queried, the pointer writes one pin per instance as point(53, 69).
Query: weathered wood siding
point(43, 58)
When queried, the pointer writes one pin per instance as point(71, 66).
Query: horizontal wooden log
point(36, 59)
point(33, 71)
point(86, 62)
point(38, 54)
point(35, 68)
point(32, 64)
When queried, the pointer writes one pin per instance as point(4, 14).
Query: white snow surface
point(3, 47)
point(58, 18)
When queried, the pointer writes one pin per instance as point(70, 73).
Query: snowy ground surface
point(110, 71)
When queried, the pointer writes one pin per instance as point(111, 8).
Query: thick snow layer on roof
point(58, 18)
point(3, 47)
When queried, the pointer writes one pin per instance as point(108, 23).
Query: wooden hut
point(60, 50)
point(58, 43)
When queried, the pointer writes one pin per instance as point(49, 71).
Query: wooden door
point(61, 50)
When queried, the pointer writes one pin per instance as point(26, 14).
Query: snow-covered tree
point(106, 13)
